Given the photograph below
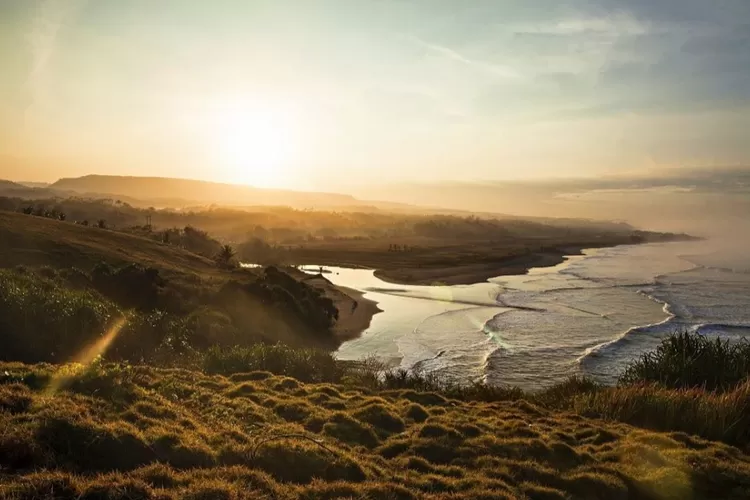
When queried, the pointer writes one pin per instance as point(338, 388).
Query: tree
point(101, 224)
point(225, 255)
point(28, 210)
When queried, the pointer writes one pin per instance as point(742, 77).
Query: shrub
point(42, 321)
point(686, 360)
point(301, 463)
point(132, 286)
point(307, 365)
point(721, 417)
point(352, 431)
point(417, 413)
point(381, 418)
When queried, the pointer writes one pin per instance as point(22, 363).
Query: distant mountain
point(33, 184)
point(169, 192)
point(15, 189)
point(9, 184)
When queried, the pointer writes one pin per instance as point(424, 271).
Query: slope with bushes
point(62, 285)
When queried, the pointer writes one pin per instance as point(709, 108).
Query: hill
point(68, 268)
point(39, 241)
point(126, 432)
point(170, 191)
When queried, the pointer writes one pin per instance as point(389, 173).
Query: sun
point(255, 143)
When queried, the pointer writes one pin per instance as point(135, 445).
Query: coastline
point(477, 273)
point(355, 311)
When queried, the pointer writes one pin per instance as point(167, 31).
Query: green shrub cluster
point(49, 315)
point(688, 360)
point(44, 320)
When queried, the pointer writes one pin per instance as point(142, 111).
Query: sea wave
point(654, 330)
point(629, 337)
point(723, 329)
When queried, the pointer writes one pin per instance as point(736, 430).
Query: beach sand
point(471, 273)
point(355, 311)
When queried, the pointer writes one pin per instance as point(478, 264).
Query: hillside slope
point(272, 305)
point(138, 432)
point(36, 241)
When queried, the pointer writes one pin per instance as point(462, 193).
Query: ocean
point(591, 315)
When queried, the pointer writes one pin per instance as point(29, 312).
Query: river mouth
point(531, 330)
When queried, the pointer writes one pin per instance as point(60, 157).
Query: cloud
point(494, 69)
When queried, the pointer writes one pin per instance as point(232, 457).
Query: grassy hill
point(39, 241)
point(131, 432)
point(64, 283)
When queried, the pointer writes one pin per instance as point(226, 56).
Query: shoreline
point(355, 319)
point(480, 272)
point(355, 311)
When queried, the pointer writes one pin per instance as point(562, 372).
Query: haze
point(341, 95)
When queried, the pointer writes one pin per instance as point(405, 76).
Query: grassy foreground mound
point(131, 432)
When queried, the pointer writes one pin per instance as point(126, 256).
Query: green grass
point(118, 431)
point(687, 360)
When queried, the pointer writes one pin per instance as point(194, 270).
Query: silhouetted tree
point(225, 255)
point(101, 224)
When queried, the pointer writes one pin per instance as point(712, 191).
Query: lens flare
point(78, 365)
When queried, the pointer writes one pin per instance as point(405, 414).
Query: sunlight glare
point(255, 143)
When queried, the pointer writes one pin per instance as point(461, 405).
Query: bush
point(688, 360)
point(307, 365)
point(132, 286)
point(43, 321)
point(720, 417)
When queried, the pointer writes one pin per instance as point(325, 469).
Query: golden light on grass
point(78, 365)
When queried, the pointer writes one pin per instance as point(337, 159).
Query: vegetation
point(173, 377)
point(688, 360)
point(120, 431)
point(48, 315)
point(225, 256)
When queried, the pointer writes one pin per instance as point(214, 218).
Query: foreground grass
point(111, 431)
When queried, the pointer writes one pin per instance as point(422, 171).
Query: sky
point(329, 94)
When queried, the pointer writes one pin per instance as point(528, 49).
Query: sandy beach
point(355, 311)
point(471, 273)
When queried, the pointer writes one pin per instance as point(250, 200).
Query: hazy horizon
point(342, 96)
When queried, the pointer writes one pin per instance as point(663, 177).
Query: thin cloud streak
point(487, 67)
point(50, 17)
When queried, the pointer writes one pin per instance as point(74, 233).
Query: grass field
point(38, 241)
point(121, 432)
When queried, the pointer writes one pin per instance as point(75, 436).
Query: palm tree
point(225, 255)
